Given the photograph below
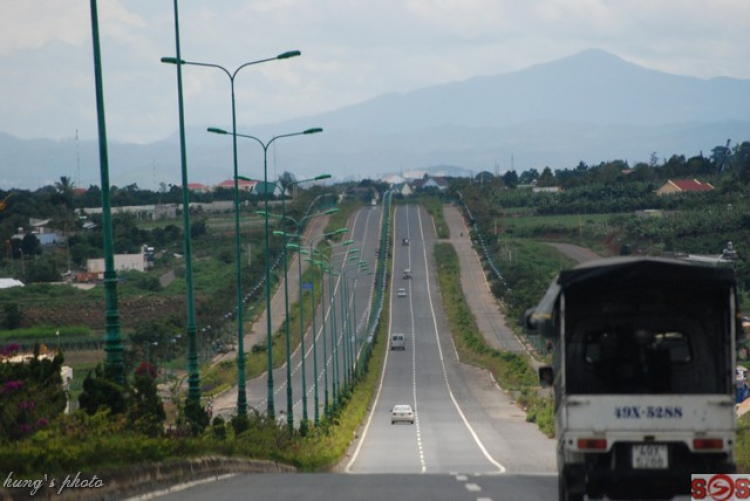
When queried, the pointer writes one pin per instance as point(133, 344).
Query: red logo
point(720, 487)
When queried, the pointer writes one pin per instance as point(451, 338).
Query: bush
point(31, 394)
point(100, 392)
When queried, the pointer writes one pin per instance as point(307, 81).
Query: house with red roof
point(242, 184)
point(199, 188)
point(683, 186)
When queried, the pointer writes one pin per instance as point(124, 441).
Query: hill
point(592, 107)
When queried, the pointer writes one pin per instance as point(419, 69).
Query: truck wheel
point(564, 493)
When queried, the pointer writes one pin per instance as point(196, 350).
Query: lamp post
point(299, 225)
point(362, 266)
point(112, 339)
point(335, 379)
point(194, 390)
point(289, 400)
point(269, 334)
point(315, 262)
point(345, 323)
point(241, 391)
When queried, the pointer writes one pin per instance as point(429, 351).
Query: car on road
point(407, 273)
point(398, 342)
point(401, 292)
point(402, 413)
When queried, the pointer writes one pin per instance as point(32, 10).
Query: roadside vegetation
point(512, 371)
point(119, 426)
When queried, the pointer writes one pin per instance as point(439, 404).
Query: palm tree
point(65, 187)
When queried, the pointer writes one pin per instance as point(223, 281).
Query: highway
point(469, 441)
point(364, 230)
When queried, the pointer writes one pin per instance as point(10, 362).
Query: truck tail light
point(598, 444)
point(708, 443)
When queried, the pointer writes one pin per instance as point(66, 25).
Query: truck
point(642, 375)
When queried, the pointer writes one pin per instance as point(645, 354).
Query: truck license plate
point(650, 457)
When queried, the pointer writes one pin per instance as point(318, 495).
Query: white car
point(402, 413)
point(398, 342)
point(401, 292)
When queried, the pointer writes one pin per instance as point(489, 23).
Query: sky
point(352, 50)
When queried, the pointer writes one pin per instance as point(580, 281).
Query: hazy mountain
point(589, 107)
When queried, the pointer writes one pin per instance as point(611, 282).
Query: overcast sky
point(352, 50)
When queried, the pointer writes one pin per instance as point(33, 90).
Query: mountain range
point(592, 107)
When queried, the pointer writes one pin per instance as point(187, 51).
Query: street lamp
point(361, 266)
point(289, 400)
point(269, 334)
point(113, 339)
point(194, 390)
point(289, 397)
point(314, 262)
point(241, 391)
point(328, 266)
point(299, 225)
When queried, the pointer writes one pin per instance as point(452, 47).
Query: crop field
point(520, 218)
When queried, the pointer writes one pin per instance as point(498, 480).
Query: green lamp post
point(299, 224)
point(269, 333)
point(335, 378)
point(289, 399)
point(314, 262)
point(194, 388)
point(112, 339)
point(241, 389)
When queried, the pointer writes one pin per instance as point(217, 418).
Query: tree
point(546, 178)
point(12, 316)
point(510, 179)
point(146, 410)
point(30, 245)
point(285, 179)
point(528, 176)
point(65, 188)
point(99, 391)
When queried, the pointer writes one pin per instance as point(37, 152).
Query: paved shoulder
point(575, 252)
point(490, 319)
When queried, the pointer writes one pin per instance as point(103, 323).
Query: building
point(403, 189)
point(546, 189)
point(393, 179)
point(273, 189)
point(6, 283)
point(437, 183)
point(673, 186)
point(200, 188)
point(242, 184)
point(123, 262)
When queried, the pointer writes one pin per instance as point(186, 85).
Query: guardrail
point(380, 282)
point(535, 340)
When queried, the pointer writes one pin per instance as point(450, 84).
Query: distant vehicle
point(402, 413)
point(398, 342)
point(404, 241)
point(373, 202)
point(407, 273)
point(743, 389)
point(644, 375)
point(401, 292)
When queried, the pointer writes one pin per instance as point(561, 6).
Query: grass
point(511, 371)
point(434, 207)
point(742, 448)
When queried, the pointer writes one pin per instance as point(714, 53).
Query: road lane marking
point(474, 435)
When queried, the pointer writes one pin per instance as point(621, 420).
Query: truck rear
point(643, 375)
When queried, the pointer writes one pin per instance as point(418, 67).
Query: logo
point(719, 487)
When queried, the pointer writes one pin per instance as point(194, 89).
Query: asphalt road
point(322, 370)
point(470, 441)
